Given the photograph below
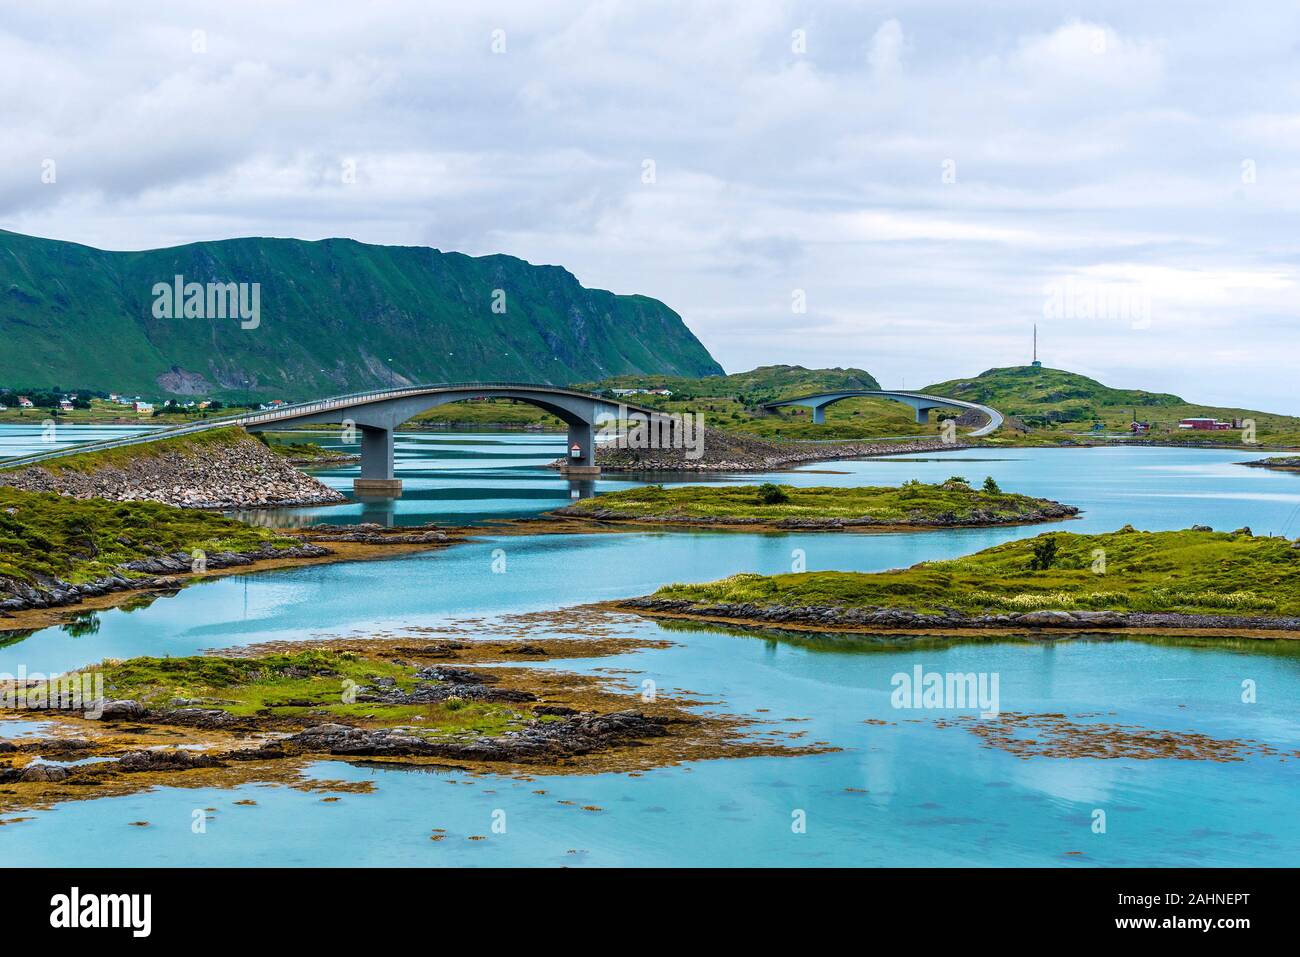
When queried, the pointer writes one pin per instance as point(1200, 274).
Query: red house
point(1205, 425)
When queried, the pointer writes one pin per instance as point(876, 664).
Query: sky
point(902, 187)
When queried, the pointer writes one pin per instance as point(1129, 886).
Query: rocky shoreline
point(1280, 463)
point(138, 575)
point(869, 619)
point(576, 734)
point(372, 533)
point(241, 473)
point(55, 593)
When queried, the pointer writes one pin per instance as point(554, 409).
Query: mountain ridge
point(336, 315)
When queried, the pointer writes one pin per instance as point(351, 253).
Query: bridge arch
point(919, 401)
point(377, 415)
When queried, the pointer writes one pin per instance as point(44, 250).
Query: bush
point(770, 494)
point(1044, 554)
point(990, 486)
point(956, 481)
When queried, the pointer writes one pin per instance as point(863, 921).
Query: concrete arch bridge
point(376, 416)
point(919, 401)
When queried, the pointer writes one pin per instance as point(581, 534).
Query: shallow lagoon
point(933, 795)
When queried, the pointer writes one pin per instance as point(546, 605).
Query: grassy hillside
point(755, 387)
point(489, 413)
point(1186, 571)
point(336, 316)
point(1041, 396)
point(1052, 404)
point(733, 403)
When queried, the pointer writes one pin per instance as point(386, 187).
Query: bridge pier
point(377, 464)
point(922, 416)
point(583, 435)
point(819, 414)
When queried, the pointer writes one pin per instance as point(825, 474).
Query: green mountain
point(334, 316)
point(1040, 395)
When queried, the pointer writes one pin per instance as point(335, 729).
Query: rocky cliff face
point(238, 473)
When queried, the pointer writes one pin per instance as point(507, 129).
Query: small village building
point(1203, 424)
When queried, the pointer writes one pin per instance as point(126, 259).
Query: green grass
point(295, 686)
point(195, 443)
point(912, 502)
point(1185, 571)
point(490, 412)
point(80, 540)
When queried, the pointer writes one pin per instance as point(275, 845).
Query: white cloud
point(1088, 56)
point(886, 53)
point(1109, 149)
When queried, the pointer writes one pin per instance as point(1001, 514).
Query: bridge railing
point(292, 411)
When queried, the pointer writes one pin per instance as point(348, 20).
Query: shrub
point(771, 494)
point(1044, 554)
point(991, 486)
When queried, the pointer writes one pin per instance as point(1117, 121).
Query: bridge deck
point(287, 414)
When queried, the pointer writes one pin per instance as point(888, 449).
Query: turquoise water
point(934, 795)
point(30, 439)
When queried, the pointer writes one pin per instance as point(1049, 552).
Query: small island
point(1197, 579)
point(266, 713)
point(913, 505)
point(1282, 463)
point(56, 550)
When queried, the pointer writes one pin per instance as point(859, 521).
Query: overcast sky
point(935, 176)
